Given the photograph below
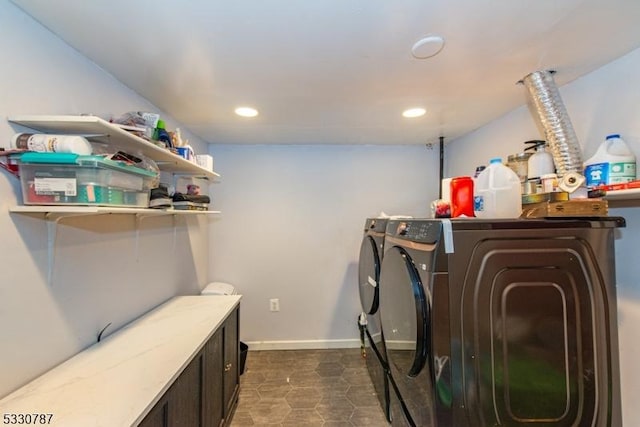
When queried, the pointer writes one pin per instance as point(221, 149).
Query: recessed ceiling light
point(246, 111)
point(414, 112)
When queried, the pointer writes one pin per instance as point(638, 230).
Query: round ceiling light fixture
point(246, 112)
point(414, 112)
point(427, 47)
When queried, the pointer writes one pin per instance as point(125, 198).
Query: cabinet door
point(157, 417)
point(181, 405)
point(231, 363)
point(185, 396)
point(213, 381)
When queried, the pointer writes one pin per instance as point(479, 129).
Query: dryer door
point(369, 275)
point(405, 316)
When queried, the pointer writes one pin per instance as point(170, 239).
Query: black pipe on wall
point(441, 167)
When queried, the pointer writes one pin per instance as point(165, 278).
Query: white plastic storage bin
point(71, 179)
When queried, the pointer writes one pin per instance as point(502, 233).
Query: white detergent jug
point(497, 192)
point(613, 163)
point(540, 162)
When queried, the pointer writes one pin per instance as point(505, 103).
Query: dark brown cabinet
point(231, 381)
point(157, 417)
point(222, 374)
point(206, 392)
point(181, 405)
point(214, 380)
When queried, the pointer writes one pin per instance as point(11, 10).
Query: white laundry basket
point(219, 288)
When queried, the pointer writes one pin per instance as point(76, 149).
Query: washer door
point(405, 312)
point(369, 275)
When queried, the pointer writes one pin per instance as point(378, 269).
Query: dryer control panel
point(420, 231)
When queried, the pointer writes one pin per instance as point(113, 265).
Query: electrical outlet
point(274, 304)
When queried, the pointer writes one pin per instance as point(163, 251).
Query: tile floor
point(307, 388)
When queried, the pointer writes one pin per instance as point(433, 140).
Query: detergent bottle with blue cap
point(613, 163)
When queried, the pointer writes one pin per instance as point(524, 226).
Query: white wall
point(102, 274)
point(605, 101)
point(291, 228)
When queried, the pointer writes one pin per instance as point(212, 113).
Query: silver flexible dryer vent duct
point(552, 117)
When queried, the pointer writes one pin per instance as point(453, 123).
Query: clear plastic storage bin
point(71, 179)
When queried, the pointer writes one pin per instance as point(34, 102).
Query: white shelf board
point(99, 130)
point(63, 211)
point(54, 214)
point(628, 194)
point(171, 211)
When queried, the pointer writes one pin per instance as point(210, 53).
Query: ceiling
point(338, 71)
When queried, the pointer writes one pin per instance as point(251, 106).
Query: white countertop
point(117, 381)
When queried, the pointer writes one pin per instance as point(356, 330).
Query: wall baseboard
point(302, 345)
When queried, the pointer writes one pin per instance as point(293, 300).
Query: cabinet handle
point(227, 367)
